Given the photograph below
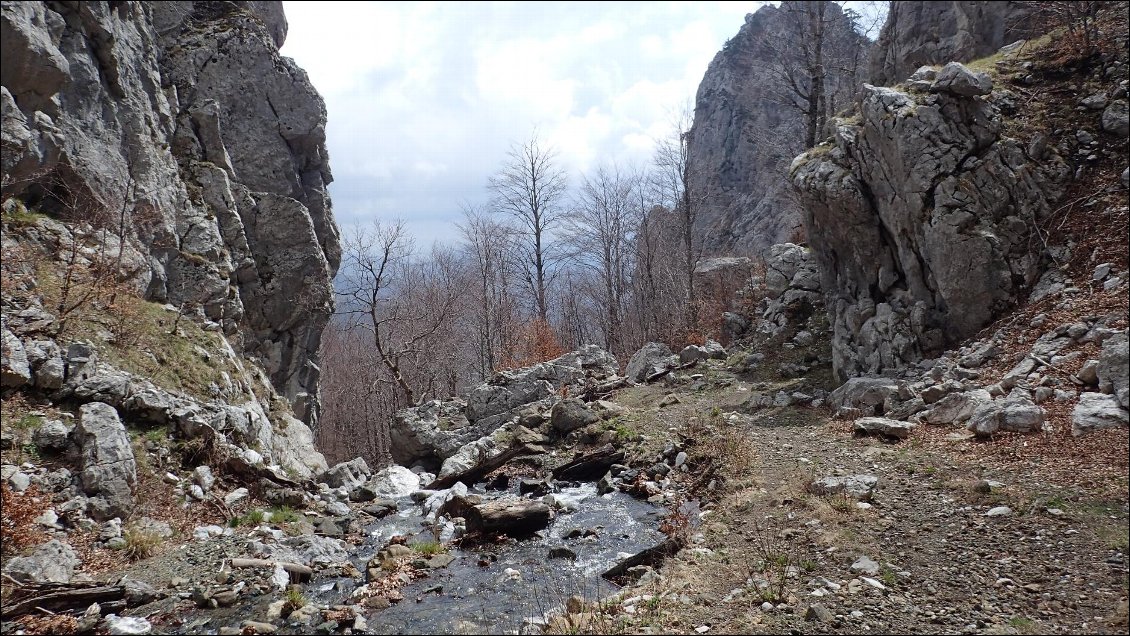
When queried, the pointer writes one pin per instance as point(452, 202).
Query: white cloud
point(424, 99)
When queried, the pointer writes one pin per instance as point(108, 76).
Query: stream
point(523, 582)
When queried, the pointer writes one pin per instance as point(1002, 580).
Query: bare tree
point(398, 303)
point(673, 187)
point(817, 66)
point(530, 188)
point(601, 232)
point(488, 246)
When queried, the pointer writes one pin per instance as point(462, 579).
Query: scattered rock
point(52, 562)
point(860, 487)
point(865, 565)
point(884, 427)
point(999, 511)
point(819, 613)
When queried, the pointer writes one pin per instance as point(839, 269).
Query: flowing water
point(519, 580)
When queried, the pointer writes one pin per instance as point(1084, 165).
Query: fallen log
point(509, 516)
point(602, 390)
point(652, 556)
point(591, 466)
point(474, 474)
point(302, 572)
point(63, 597)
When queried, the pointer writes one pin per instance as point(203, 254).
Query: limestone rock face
point(924, 33)
point(744, 134)
point(920, 238)
point(184, 117)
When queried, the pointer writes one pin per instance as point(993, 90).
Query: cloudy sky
point(425, 98)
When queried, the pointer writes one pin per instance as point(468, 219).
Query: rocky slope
point(746, 130)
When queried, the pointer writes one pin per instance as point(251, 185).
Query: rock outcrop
point(919, 214)
point(434, 431)
point(745, 132)
point(927, 33)
point(181, 123)
point(109, 471)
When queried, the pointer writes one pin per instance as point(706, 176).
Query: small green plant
point(234, 522)
point(428, 548)
point(156, 435)
point(715, 412)
point(140, 543)
point(808, 565)
point(254, 517)
point(293, 599)
point(284, 514)
point(888, 577)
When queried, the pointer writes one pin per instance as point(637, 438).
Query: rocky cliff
point(928, 212)
point(171, 144)
point(747, 128)
point(923, 33)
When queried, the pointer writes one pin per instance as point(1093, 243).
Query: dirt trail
point(768, 550)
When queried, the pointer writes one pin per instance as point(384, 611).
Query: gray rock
point(53, 435)
point(1096, 411)
point(1098, 101)
point(884, 427)
point(859, 487)
point(1116, 118)
point(955, 78)
point(570, 414)
point(865, 565)
point(865, 394)
point(47, 364)
point(348, 475)
point(338, 509)
point(744, 204)
point(1114, 368)
point(236, 497)
point(52, 562)
point(152, 527)
point(394, 482)
point(999, 511)
point(819, 613)
point(957, 408)
point(1089, 373)
point(15, 370)
point(108, 466)
point(709, 351)
point(652, 358)
point(19, 481)
point(1014, 414)
point(203, 477)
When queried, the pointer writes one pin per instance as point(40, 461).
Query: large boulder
point(510, 390)
point(430, 432)
point(651, 358)
point(109, 472)
point(1012, 414)
point(393, 482)
point(1114, 368)
point(918, 34)
point(868, 395)
point(15, 370)
point(1096, 411)
point(52, 562)
point(349, 475)
point(571, 414)
point(956, 408)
